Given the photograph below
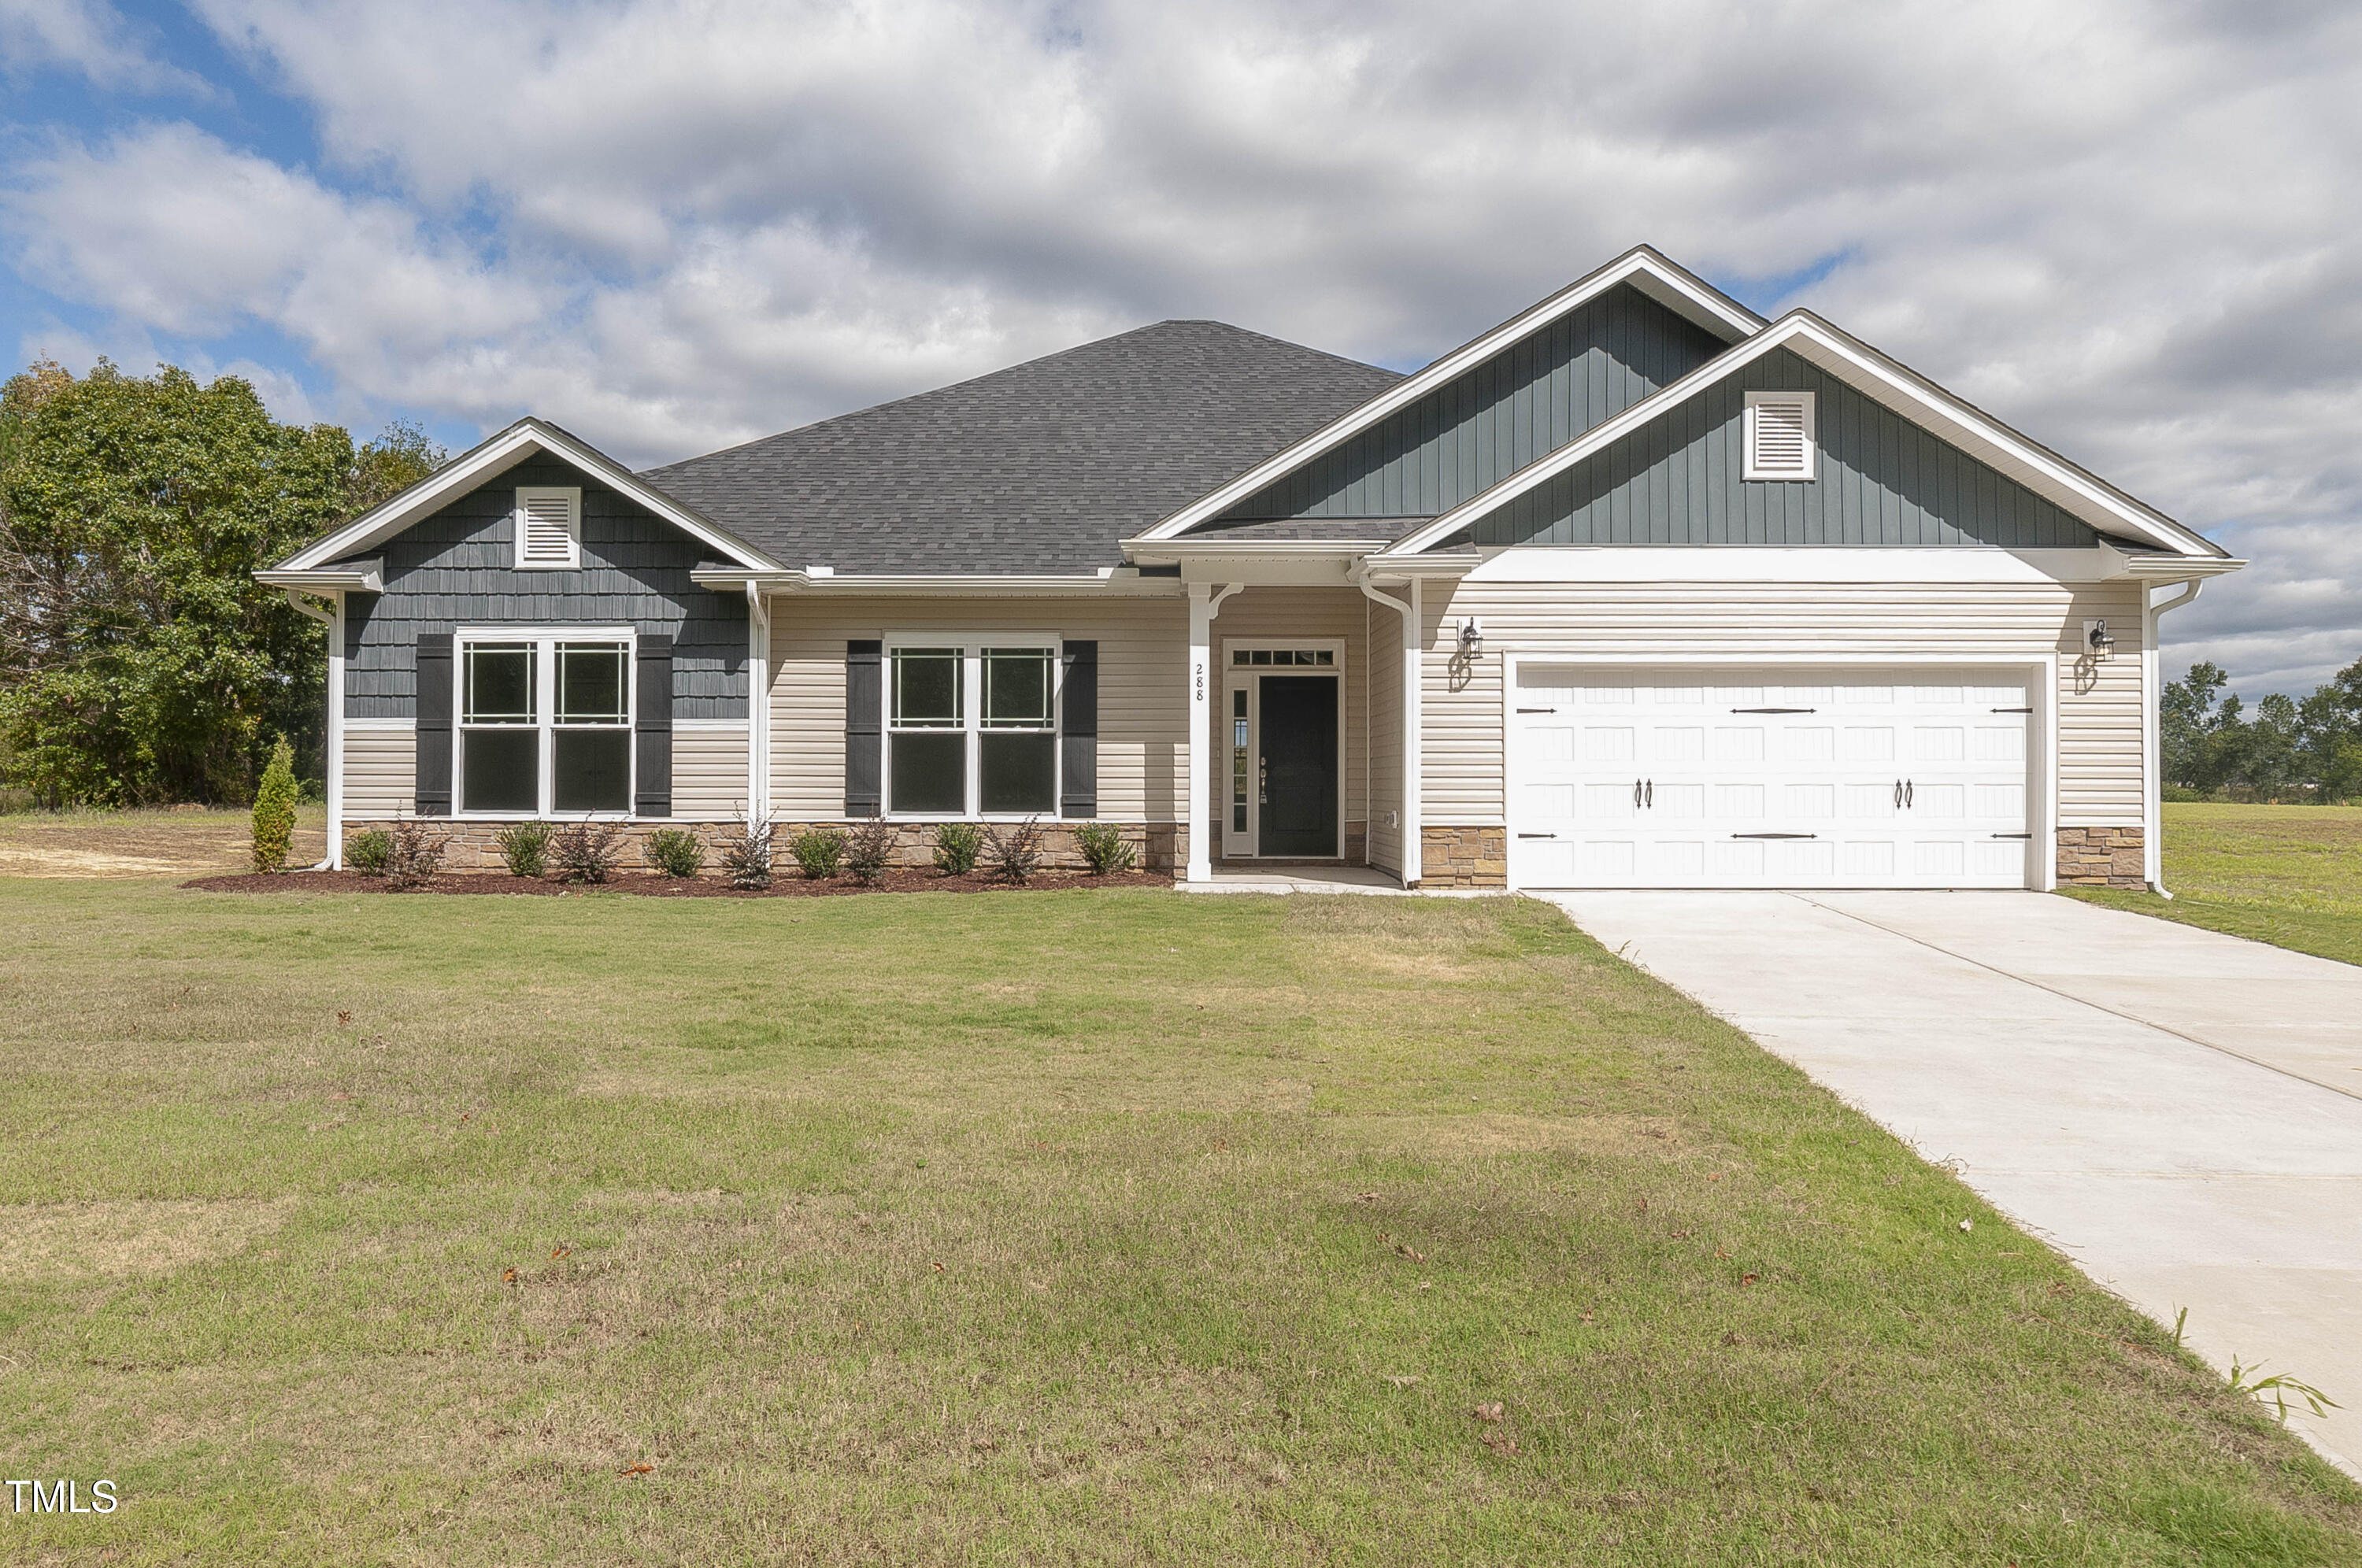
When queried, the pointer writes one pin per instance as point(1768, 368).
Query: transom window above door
point(545, 723)
point(972, 728)
point(1324, 658)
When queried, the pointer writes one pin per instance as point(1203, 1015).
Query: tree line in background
point(141, 663)
point(2285, 750)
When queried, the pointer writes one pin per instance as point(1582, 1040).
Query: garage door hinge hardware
point(1775, 710)
point(1537, 835)
point(1775, 836)
point(2012, 710)
point(2013, 835)
point(1538, 710)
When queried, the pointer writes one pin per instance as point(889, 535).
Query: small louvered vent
point(1779, 435)
point(548, 528)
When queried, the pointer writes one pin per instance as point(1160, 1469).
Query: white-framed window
point(548, 528)
point(972, 726)
point(545, 723)
point(1780, 436)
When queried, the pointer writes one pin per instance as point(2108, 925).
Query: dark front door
point(1299, 766)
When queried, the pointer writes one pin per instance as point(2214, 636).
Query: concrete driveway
point(2179, 1111)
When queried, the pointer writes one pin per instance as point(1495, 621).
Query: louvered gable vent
point(550, 527)
point(1779, 435)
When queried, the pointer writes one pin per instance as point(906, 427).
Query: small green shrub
point(818, 851)
point(870, 849)
point(524, 848)
point(1104, 849)
point(677, 852)
point(587, 852)
point(2181, 792)
point(956, 846)
point(274, 809)
point(368, 853)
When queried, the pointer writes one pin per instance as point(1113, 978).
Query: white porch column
point(333, 771)
point(1205, 604)
point(758, 705)
point(1414, 623)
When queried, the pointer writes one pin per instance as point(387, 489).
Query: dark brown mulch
point(647, 885)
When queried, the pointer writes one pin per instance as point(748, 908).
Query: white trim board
point(1578, 563)
point(488, 460)
point(1644, 268)
point(2081, 494)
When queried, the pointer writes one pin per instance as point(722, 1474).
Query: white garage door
point(1769, 777)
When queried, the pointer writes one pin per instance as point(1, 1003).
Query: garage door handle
point(1652, 795)
point(1898, 794)
point(1775, 836)
point(1636, 794)
point(1775, 710)
point(1908, 792)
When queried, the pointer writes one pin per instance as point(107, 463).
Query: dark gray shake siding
point(1517, 407)
point(1880, 481)
point(453, 569)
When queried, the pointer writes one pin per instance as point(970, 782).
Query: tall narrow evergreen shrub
point(274, 809)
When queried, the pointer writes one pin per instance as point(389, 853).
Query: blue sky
point(672, 225)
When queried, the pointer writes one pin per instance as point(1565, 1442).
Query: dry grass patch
point(69, 1240)
point(178, 843)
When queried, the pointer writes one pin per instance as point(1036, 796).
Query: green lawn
point(2287, 874)
point(1025, 1229)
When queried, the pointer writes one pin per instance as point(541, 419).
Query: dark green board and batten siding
point(1880, 482)
point(453, 569)
point(1513, 410)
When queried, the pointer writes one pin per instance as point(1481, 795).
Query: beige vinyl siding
point(1275, 618)
point(1143, 691)
point(1385, 685)
point(2099, 702)
point(381, 770)
point(709, 770)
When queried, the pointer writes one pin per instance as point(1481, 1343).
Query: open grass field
point(2290, 876)
point(1093, 1227)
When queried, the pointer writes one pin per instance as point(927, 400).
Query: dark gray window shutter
point(1078, 716)
point(865, 743)
point(652, 797)
point(434, 785)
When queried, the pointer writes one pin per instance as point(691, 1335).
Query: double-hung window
point(972, 727)
point(545, 723)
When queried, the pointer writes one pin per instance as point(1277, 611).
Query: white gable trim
point(1643, 267)
point(2075, 490)
point(488, 460)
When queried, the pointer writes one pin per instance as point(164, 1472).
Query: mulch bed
point(648, 885)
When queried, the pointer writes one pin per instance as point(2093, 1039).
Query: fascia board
point(357, 577)
point(489, 459)
point(1645, 270)
point(1116, 585)
point(2083, 494)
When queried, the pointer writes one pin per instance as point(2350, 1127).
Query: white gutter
point(2152, 761)
point(333, 765)
point(361, 577)
point(1408, 825)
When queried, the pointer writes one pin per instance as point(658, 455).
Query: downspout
point(2153, 762)
point(332, 766)
point(1407, 847)
point(758, 706)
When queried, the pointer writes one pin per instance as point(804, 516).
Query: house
point(1638, 589)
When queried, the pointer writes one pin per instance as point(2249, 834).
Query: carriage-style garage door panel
point(1769, 778)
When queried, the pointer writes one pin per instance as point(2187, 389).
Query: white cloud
point(88, 37)
point(671, 223)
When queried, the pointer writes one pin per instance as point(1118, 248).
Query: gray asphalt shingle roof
point(1040, 468)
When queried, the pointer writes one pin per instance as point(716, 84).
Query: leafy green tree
point(2188, 727)
point(274, 809)
point(140, 660)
